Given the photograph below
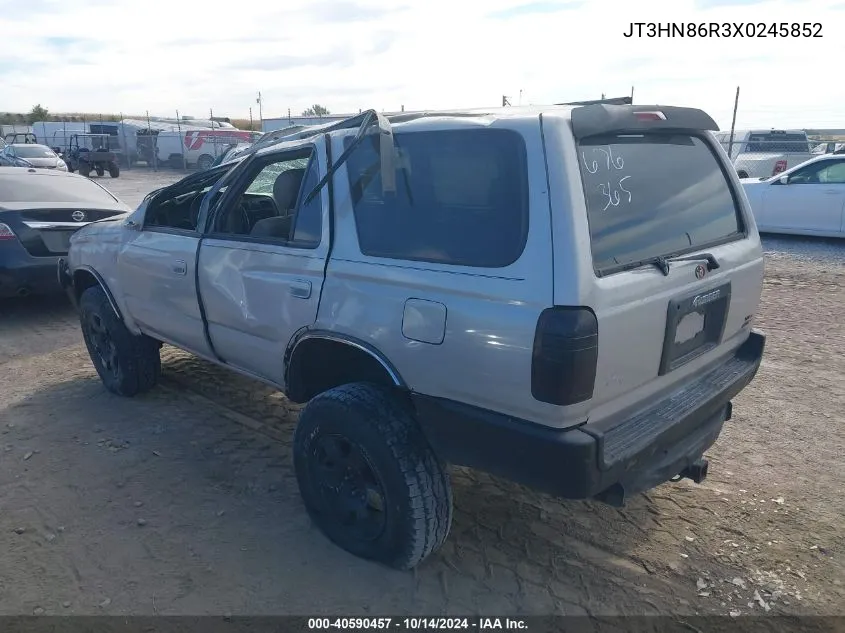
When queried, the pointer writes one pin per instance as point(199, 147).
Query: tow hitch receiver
point(697, 471)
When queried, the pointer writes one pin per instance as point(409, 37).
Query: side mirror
point(784, 180)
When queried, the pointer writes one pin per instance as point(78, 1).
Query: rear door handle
point(180, 267)
point(301, 289)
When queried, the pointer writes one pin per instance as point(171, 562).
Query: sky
point(115, 56)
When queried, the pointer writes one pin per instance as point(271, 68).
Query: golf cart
point(91, 152)
point(20, 137)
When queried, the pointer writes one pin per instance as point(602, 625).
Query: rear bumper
point(22, 274)
point(630, 455)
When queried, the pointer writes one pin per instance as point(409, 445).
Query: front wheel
point(127, 364)
point(368, 477)
point(114, 170)
point(100, 171)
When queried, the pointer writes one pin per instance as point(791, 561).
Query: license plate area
point(694, 325)
point(56, 241)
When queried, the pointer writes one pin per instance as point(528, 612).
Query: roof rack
point(611, 101)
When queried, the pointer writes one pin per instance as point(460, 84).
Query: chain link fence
point(154, 144)
point(765, 154)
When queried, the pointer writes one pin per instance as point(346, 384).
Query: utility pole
point(260, 103)
point(250, 119)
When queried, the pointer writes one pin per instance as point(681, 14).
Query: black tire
point(100, 171)
point(84, 169)
point(114, 170)
point(742, 174)
point(127, 364)
point(205, 162)
point(378, 427)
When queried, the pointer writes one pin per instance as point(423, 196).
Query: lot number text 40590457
point(417, 624)
point(723, 29)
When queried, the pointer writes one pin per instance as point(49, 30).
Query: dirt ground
point(184, 501)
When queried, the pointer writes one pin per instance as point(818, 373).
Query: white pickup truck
point(765, 153)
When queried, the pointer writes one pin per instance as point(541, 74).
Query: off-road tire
point(138, 360)
point(84, 169)
point(114, 170)
point(100, 171)
point(416, 485)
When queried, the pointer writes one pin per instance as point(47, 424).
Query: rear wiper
point(663, 262)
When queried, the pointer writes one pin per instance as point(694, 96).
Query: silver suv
point(559, 296)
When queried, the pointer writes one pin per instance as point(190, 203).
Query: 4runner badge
point(700, 300)
point(700, 271)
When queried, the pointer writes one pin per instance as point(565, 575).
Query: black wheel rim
point(349, 487)
point(102, 344)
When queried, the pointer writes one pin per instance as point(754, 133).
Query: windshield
point(47, 188)
point(34, 151)
point(651, 195)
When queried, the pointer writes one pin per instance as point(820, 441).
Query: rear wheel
point(205, 162)
point(368, 477)
point(100, 171)
point(114, 170)
point(127, 364)
point(742, 174)
point(84, 169)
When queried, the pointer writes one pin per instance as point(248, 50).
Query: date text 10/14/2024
point(723, 29)
point(417, 624)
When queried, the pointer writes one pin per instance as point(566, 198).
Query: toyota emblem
point(700, 271)
point(78, 216)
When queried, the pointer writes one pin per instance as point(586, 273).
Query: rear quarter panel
point(484, 358)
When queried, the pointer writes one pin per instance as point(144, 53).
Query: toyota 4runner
point(559, 296)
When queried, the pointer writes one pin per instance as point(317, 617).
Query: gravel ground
point(184, 502)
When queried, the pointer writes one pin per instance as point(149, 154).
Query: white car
point(808, 199)
point(39, 156)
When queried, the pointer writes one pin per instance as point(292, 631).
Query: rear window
point(462, 198)
point(37, 188)
point(654, 195)
point(775, 142)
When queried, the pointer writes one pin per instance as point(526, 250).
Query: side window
point(179, 206)
point(177, 211)
point(809, 175)
point(833, 174)
point(268, 207)
point(461, 198)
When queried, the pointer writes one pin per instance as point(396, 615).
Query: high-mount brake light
point(650, 116)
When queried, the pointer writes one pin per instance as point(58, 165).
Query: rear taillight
point(650, 116)
point(6, 233)
point(563, 363)
point(779, 167)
